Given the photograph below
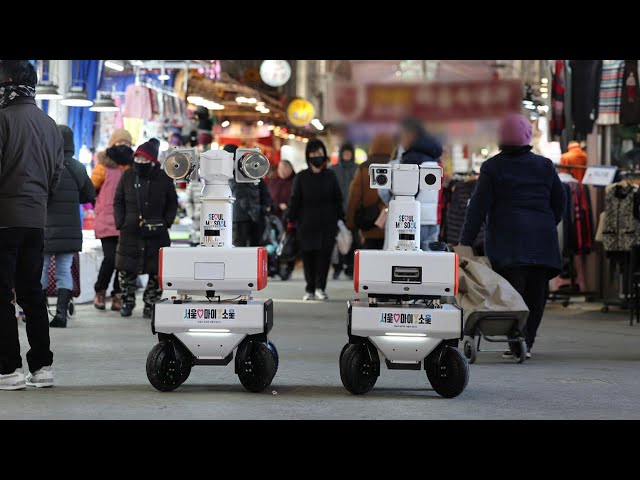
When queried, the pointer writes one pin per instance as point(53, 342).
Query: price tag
point(599, 176)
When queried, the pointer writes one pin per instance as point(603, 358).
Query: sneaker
point(320, 295)
point(43, 378)
point(528, 354)
point(309, 296)
point(508, 354)
point(13, 381)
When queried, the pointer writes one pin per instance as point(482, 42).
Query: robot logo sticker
point(209, 315)
point(216, 220)
point(401, 319)
point(406, 222)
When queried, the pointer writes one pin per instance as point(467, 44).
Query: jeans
point(63, 270)
point(428, 234)
point(316, 268)
point(108, 266)
point(20, 269)
point(532, 283)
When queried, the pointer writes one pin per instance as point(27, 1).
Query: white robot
point(207, 331)
point(406, 318)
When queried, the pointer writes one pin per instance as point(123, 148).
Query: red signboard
point(429, 101)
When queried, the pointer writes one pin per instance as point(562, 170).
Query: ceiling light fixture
point(47, 91)
point(76, 97)
point(225, 124)
point(104, 105)
point(113, 65)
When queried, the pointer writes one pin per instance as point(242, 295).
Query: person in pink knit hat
point(520, 197)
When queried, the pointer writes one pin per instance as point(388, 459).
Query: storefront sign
point(429, 101)
point(599, 176)
point(275, 73)
point(300, 112)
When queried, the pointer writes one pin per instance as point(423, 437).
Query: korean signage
point(427, 101)
point(599, 176)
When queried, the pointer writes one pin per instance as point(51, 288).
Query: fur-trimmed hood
point(104, 159)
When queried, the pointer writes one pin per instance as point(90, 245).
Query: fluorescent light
point(316, 123)
point(210, 330)
point(225, 124)
point(114, 65)
point(545, 95)
point(305, 140)
point(265, 110)
point(530, 107)
point(252, 100)
point(527, 102)
point(291, 136)
point(394, 334)
point(194, 99)
point(137, 63)
point(544, 80)
point(260, 123)
point(261, 104)
point(164, 77)
point(544, 89)
point(484, 152)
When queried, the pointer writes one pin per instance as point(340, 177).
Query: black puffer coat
point(159, 202)
point(251, 202)
point(63, 231)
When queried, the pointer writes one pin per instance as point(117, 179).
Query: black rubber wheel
point(519, 350)
point(344, 349)
point(274, 351)
point(166, 371)
point(447, 371)
point(358, 371)
point(470, 350)
point(256, 371)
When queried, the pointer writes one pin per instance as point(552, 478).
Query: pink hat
point(515, 130)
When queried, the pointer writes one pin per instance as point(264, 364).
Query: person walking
point(420, 148)
point(145, 207)
point(345, 170)
point(63, 231)
point(280, 187)
point(364, 204)
point(31, 160)
point(117, 158)
point(249, 209)
point(314, 209)
point(521, 197)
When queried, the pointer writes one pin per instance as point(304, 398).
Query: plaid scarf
point(9, 91)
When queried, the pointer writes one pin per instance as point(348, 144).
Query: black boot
point(126, 310)
point(146, 311)
point(62, 309)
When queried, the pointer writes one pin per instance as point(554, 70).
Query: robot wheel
point(168, 365)
point(447, 371)
point(359, 367)
point(256, 364)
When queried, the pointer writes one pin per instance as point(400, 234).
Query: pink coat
point(105, 224)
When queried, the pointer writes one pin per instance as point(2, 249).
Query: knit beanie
point(120, 135)
point(149, 150)
point(515, 130)
point(381, 144)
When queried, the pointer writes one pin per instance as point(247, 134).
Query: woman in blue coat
point(520, 196)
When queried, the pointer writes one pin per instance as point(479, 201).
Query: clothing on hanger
point(630, 103)
point(585, 82)
point(610, 92)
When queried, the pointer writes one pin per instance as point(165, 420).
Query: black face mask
point(121, 154)
point(317, 161)
point(142, 169)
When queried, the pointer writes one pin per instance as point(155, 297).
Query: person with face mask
point(315, 208)
point(117, 158)
point(145, 207)
point(345, 169)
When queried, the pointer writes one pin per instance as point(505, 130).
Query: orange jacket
point(574, 156)
point(100, 171)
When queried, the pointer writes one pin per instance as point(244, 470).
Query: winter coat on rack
point(630, 104)
point(63, 232)
point(621, 227)
point(159, 200)
point(316, 207)
point(557, 99)
point(585, 78)
point(521, 198)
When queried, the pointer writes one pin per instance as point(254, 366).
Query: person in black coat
point(249, 209)
point(315, 208)
point(522, 199)
point(63, 231)
point(138, 249)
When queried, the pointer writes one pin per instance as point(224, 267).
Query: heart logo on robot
point(396, 317)
point(200, 312)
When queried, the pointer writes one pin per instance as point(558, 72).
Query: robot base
point(407, 336)
point(207, 333)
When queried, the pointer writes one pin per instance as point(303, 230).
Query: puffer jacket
point(426, 151)
point(252, 201)
point(105, 178)
point(63, 231)
point(159, 201)
point(345, 171)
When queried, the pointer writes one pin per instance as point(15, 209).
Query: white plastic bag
point(344, 238)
